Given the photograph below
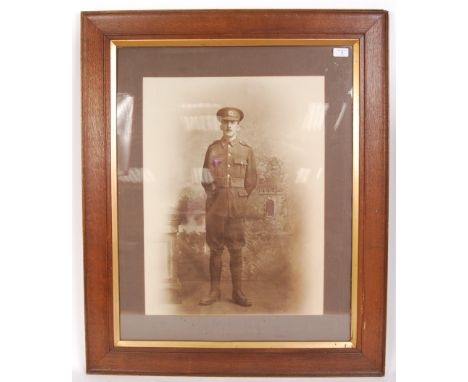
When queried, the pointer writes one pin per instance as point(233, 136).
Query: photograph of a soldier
point(229, 176)
point(234, 195)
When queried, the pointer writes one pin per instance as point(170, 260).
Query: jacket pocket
point(240, 166)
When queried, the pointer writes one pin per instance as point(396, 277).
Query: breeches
point(224, 231)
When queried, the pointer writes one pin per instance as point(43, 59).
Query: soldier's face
point(230, 129)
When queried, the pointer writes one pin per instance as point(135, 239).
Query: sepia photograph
point(234, 195)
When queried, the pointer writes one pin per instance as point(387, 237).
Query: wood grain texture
point(98, 28)
point(375, 193)
point(94, 172)
point(234, 22)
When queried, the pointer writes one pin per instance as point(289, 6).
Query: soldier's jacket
point(229, 176)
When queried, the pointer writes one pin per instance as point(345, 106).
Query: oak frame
point(370, 28)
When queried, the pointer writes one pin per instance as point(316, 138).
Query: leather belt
point(229, 182)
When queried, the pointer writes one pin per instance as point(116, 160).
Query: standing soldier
point(229, 176)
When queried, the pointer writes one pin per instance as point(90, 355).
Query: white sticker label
point(340, 52)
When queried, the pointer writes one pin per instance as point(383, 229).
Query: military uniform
point(229, 176)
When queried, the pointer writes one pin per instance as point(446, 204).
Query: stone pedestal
point(172, 285)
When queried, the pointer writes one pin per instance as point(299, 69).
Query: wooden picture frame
point(366, 32)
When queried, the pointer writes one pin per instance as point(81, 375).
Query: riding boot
point(215, 279)
point(235, 263)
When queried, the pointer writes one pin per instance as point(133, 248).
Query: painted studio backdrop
point(283, 269)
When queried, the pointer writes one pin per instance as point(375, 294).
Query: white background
point(40, 158)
